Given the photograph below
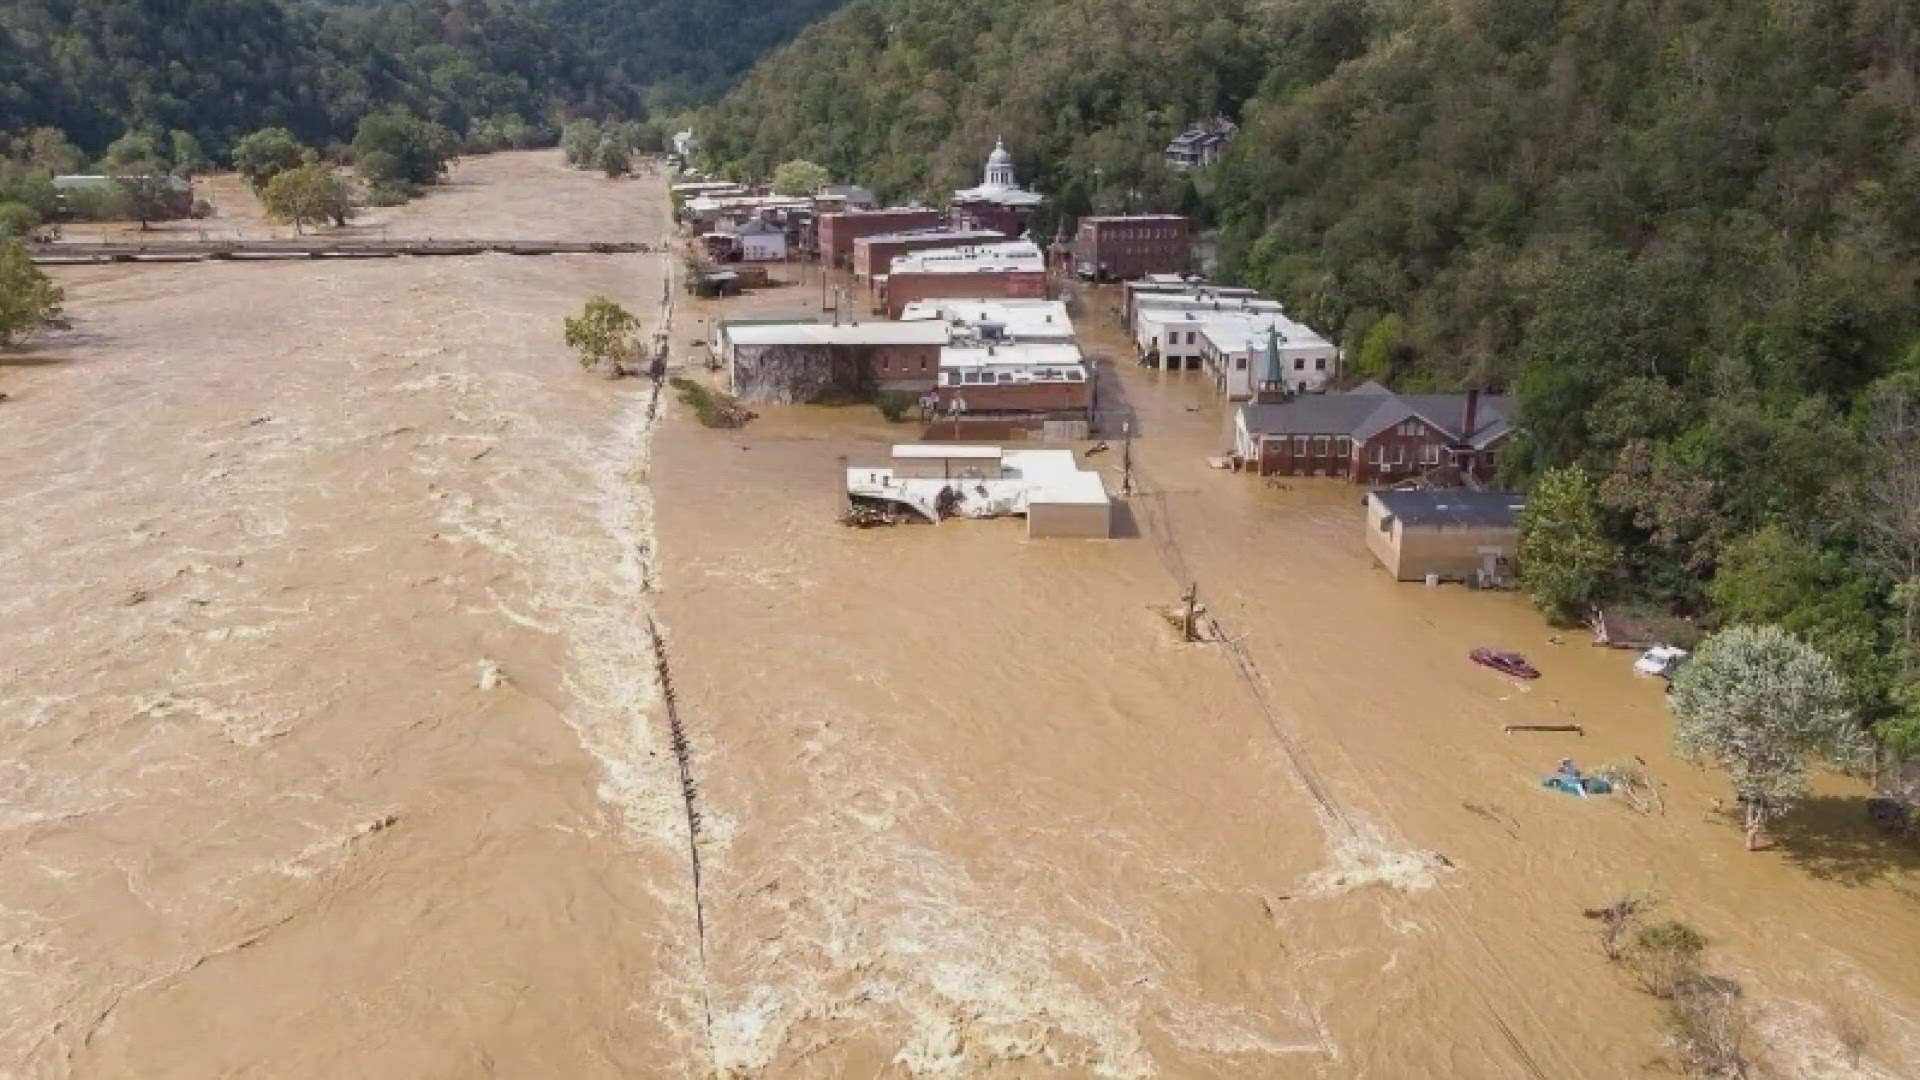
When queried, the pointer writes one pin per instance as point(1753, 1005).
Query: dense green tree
point(580, 143)
point(27, 298)
point(603, 334)
point(17, 220)
point(799, 177)
point(309, 195)
point(142, 190)
point(1565, 558)
point(614, 158)
point(1760, 702)
point(49, 149)
point(265, 154)
point(188, 157)
point(136, 149)
point(397, 149)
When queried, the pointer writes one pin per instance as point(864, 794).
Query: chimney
point(1470, 415)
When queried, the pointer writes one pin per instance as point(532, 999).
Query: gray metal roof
point(1453, 506)
point(1371, 409)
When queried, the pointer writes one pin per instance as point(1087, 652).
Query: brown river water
point(332, 741)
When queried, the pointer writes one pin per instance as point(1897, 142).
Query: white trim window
point(1430, 454)
point(1342, 446)
point(1299, 446)
point(1319, 446)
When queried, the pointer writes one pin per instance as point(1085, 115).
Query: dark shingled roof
point(1371, 409)
point(1453, 506)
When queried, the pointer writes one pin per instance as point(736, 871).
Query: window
point(1379, 454)
point(1319, 446)
point(1239, 363)
point(1342, 446)
point(1320, 363)
point(1430, 454)
point(1299, 363)
point(1398, 456)
point(1299, 446)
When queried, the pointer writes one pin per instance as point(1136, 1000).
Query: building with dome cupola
point(999, 203)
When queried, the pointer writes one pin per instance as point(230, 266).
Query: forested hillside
point(220, 68)
point(1682, 231)
point(910, 94)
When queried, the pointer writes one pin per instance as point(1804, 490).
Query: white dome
point(999, 173)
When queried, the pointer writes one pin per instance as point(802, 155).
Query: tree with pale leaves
point(1761, 703)
point(604, 334)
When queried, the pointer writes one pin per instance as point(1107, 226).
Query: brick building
point(839, 231)
point(1369, 435)
point(1014, 269)
point(806, 362)
point(985, 379)
point(1124, 248)
point(874, 255)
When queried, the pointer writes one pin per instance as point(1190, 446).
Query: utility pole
point(1193, 603)
point(1126, 458)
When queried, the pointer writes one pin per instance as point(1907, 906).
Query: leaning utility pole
point(1189, 631)
point(1126, 458)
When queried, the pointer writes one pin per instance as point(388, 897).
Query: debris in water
point(490, 675)
point(137, 596)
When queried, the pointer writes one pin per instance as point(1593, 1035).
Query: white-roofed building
point(802, 362)
point(1004, 319)
point(1240, 348)
point(933, 482)
point(1015, 269)
point(999, 203)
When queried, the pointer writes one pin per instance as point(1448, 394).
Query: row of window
point(968, 377)
point(1158, 232)
point(1341, 446)
point(1299, 363)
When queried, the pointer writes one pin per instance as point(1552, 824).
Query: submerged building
point(935, 481)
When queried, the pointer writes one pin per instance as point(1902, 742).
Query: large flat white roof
point(969, 451)
point(1019, 319)
point(1239, 331)
point(1011, 354)
point(1053, 476)
point(975, 258)
point(866, 333)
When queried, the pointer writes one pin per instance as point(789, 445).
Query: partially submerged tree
point(799, 177)
point(144, 189)
point(309, 195)
point(1565, 559)
point(615, 158)
point(580, 143)
point(27, 298)
point(603, 333)
point(266, 154)
point(1760, 703)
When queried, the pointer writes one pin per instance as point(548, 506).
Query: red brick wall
point(905, 367)
point(994, 216)
point(1021, 397)
point(903, 289)
point(838, 231)
point(1119, 256)
point(1357, 465)
point(872, 255)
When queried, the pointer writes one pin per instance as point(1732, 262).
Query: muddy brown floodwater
point(331, 742)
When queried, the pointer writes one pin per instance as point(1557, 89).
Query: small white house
point(760, 242)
